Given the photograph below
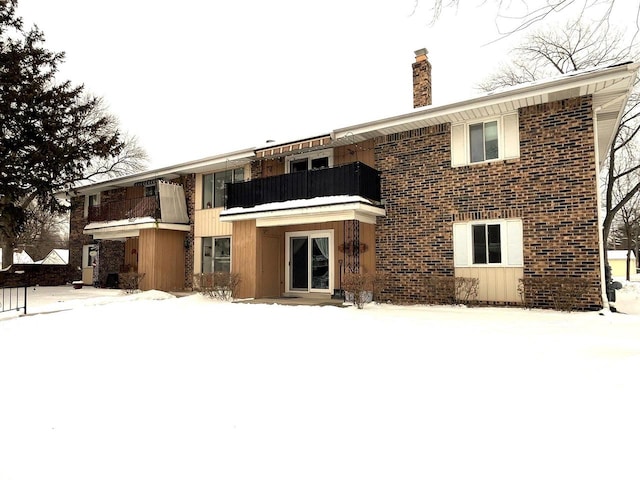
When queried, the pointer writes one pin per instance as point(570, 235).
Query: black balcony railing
point(125, 209)
point(350, 179)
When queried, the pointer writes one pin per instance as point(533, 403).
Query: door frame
point(310, 234)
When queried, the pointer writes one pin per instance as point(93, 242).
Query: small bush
point(130, 282)
point(449, 290)
point(362, 287)
point(560, 293)
point(466, 290)
point(218, 285)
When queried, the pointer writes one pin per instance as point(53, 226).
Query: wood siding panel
point(134, 192)
point(244, 257)
point(499, 284)
point(362, 152)
point(273, 166)
point(161, 259)
point(131, 249)
point(146, 259)
point(207, 224)
point(270, 281)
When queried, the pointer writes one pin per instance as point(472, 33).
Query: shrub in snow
point(218, 285)
point(130, 281)
point(561, 293)
point(361, 288)
point(449, 290)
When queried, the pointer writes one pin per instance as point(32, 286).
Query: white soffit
point(297, 216)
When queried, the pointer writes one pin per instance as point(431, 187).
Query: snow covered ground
point(150, 386)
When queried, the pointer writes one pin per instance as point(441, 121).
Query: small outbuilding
point(618, 261)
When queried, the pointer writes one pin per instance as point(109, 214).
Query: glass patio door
point(299, 263)
point(309, 259)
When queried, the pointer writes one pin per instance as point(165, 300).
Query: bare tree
point(575, 46)
point(43, 232)
point(512, 17)
point(556, 50)
point(621, 174)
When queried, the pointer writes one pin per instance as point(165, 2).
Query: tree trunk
point(7, 251)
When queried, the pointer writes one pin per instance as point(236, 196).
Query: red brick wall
point(552, 187)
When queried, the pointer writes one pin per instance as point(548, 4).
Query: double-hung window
point(216, 254)
point(485, 140)
point(213, 186)
point(491, 243)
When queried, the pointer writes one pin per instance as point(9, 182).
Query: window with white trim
point(309, 161)
point(216, 254)
point(490, 243)
point(483, 140)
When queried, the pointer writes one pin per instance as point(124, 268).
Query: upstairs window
point(213, 186)
point(485, 140)
point(310, 161)
point(91, 201)
point(150, 190)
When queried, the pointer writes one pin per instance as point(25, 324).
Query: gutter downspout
point(603, 281)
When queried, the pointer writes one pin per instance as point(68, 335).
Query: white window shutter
point(461, 244)
point(458, 145)
point(514, 243)
point(510, 127)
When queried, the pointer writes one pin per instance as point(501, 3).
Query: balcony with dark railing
point(125, 209)
point(356, 179)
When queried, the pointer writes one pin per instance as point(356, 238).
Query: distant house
point(618, 261)
point(501, 188)
point(57, 256)
point(19, 258)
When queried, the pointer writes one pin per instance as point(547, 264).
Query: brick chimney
point(421, 79)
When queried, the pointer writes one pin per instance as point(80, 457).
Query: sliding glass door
point(309, 257)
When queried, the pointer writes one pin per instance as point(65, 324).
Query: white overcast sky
point(197, 78)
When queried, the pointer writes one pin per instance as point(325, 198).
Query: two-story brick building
point(499, 188)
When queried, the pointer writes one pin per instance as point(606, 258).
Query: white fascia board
point(515, 94)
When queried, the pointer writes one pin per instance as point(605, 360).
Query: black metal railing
point(124, 209)
point(350, 179)
point(13, 298)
